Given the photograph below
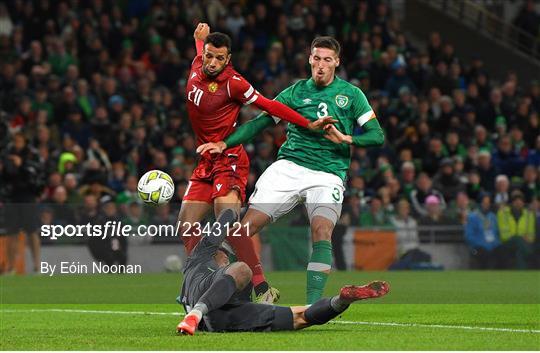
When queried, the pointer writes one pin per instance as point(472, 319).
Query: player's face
point(214, 60)
point(323, 63)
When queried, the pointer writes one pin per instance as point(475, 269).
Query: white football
point(155, 187)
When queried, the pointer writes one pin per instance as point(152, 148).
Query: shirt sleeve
point(241, 90)
point(199, 45)
point(285, 98)
point(362, 111)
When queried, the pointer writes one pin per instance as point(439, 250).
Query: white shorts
point(285, 184)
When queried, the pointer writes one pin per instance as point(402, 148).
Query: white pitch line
point(342, 322)
point(399, 324)
point(80, 311)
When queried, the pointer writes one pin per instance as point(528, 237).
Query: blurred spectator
point(23, 178)
point(447, 180)
point(517, 232)
point(108, 248)
point(531, 183)
point(64, 213)
point(434, 156)
point(460, 208)
point(481, 139)
point(399, 83)
point(135, 217)
point(129, 194)
point(387, 198)
point(421, 192)
point(407, 177)
point(473, 187)
point(502, 188)
point(71, 185)
point(434, 219)
point(505, 160)
point(409, 253)
point(486, 170)
point(6, 25)
point(482, 235)
point(162, 217)
point(534, 154)
point(376, 216)
point(453, 145)
point(350, 216)
point(527, 20)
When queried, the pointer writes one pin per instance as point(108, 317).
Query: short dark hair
point(326, 42)
point(219, 40)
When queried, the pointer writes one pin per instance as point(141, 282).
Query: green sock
point(321, 260)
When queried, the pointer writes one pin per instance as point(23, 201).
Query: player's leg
point(241, 242)
point(252, 223)
point(229, 193)
point(320, 262)
point(323, 203)
point(230, 201)
point(190, 215)
point(225, 284)
point(276, 193)
point(325, 309)
point(196, 203)
point(254, 220)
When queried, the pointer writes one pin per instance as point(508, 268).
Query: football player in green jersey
point(311, 167)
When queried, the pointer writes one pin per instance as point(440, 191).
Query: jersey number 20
point(195, 95)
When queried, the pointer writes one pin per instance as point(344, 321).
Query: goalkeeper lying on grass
point(215, 293)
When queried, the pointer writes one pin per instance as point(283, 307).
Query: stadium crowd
point(92, 96)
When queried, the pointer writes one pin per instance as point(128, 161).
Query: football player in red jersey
point(215, 93)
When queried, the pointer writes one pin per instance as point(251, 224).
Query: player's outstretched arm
point(200, 34)
point(242, 135)
point(282, 111)
point(372, 135)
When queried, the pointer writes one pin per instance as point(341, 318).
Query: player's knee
point(241, 273)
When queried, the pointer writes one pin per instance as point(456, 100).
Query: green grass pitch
point(424, 311)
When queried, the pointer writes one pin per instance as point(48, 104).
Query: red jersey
point(213, 104)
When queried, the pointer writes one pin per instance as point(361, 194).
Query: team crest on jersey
point(212, 87)
point(342, 100)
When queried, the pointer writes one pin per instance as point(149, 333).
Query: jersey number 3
point(195, 95)
point(322, 110)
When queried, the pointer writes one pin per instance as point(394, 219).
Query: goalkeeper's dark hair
point(219, 40)
point(326, 42)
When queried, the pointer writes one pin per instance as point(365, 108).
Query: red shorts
point(218, 176)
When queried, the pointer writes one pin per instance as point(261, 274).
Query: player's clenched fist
point(202, 31)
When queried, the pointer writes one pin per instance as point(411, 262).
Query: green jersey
point(341, 100)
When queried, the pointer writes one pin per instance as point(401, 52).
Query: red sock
point(245, 251)
point(190, 241)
